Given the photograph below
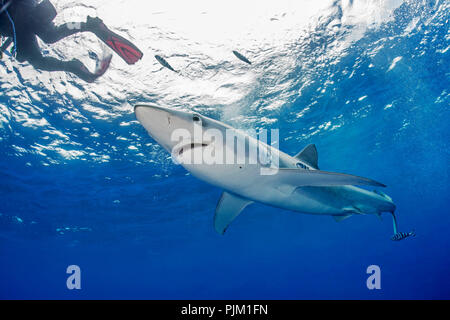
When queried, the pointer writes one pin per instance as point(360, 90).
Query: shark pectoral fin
point(317, 178)
point(339, 218)
point(228, 208)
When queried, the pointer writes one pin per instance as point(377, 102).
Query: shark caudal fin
point(228, 208)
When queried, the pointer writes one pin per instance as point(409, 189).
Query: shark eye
point(196, 118)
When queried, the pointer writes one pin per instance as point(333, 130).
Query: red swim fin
point(102, 66)
point(123, 47)
point(78, 68)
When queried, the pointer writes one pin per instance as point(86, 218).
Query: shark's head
point(166, 125)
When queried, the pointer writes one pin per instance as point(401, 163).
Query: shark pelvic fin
point(309, 155)
point(349, 212)
point(339, 218)
point(353, 210)
point(228, 208)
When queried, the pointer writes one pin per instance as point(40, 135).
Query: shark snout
point(167, 126)
point(159, 122)
point(153, 117)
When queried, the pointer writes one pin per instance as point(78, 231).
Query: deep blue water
point(140, 227)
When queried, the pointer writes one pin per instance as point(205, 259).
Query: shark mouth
point(189, 146)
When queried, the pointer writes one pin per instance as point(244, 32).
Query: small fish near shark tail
point(400, 235)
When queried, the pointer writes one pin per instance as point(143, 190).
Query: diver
point(22, 20)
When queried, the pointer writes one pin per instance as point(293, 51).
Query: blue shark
point(293, 183)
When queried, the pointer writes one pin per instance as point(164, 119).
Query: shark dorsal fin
point(309, 155)
point(228, 208)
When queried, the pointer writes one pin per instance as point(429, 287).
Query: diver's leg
point(52, 64)
point(123, 47)
point(51, 33)
point(32, 53)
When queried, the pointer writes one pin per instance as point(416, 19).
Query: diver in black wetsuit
point(23, 20)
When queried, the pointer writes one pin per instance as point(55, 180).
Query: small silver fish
point(402, 235)
point(241, 57)
point(164, 63)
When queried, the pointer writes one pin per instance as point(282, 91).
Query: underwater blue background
point(82, 183)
